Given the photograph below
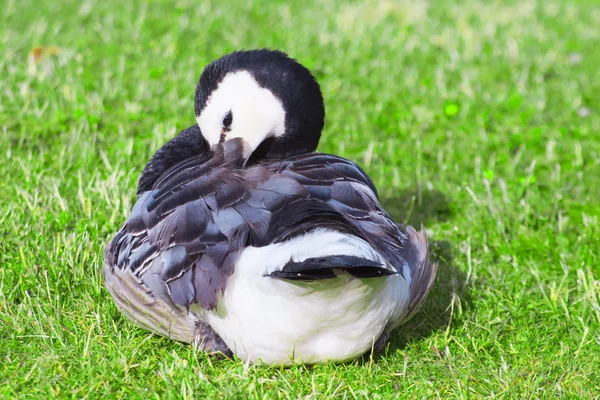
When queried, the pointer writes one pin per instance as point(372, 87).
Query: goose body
point(244, 240)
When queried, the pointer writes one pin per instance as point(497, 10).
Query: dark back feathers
point(185, 234)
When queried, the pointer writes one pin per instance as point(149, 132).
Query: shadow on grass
point(448, 293)
point(450, 286)
point(414, 207)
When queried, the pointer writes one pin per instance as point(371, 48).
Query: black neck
point(188, 143)
point(274, 149)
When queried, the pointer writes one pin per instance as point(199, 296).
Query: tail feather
point(422, 270)
point(323, 268)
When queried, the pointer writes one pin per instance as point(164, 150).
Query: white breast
point(282, 322)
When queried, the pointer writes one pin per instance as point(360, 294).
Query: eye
point(227, 120)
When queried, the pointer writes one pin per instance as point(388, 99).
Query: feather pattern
point(186, 232)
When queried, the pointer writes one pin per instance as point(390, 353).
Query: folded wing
point(184, 235)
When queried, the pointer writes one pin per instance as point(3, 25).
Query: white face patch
point(256, 113)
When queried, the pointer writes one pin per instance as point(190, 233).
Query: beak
point(249, 143)
point(235, 148)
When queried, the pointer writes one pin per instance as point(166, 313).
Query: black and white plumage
point(244, 240)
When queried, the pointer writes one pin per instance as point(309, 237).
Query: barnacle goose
point(245, 240)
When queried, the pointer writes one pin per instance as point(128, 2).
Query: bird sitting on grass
point(244, 240)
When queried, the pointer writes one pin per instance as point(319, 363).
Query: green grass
point(479, 119)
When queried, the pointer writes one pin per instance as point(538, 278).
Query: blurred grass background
point(479, 119)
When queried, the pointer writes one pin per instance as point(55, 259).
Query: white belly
point(282, 322)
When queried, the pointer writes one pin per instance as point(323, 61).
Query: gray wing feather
point(349, 191)
point(422, 270)
point(183, 237)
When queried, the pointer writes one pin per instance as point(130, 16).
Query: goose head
point(269, 100)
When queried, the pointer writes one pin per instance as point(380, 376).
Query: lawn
point(480, 120)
